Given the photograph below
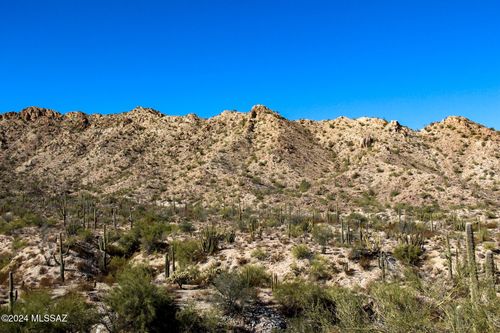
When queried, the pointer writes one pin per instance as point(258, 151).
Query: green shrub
point(151, 235)
point(80, 315)
point(320, 269)
point(129, 243)
point(140, 306)
point(233, 293)
point(189, 274)
point(186, 227)
point(255, 276)
point(191, 320)
point(304, 186)
point(85, 235)
point(260, 254)
point(301, 251)
point(408, 253)
point(400, 310)
point(322, 234)
point(310, 307)
point(115, 267)
point(188, 252)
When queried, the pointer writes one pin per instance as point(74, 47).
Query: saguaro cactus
point(342, 236)
point(489, 268)
point(103, 247)
point(448, 257)
point(113, 216)
point(62, 254)
point(12, 292)
point(167, 265)
point(274, 281)
point(94, 213)
point(209, 240)
point(471, 262)
point(382, 264)
point(173, 258)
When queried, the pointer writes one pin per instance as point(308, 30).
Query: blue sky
point(415, 61)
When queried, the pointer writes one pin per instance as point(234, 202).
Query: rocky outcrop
point(34, 113)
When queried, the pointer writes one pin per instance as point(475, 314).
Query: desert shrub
point(186, 227)
point(260, 254)
point(129, 243)
point(80, 315)
point(320, 269)
point(301, 251)
point(138, 305)
point(483, 235)
point(189, 274)
point(230, 236)
point(255, 276)
point(304, 186)
point(115, 267)
point(208, 274)
point(353, 312)
point(310, 307)
point(151, 235)
point(188, 252)
point(5, 259)
point(296, 296)
point(18, 243)
point(73, 229)
point(365, 262)
point(191, 320)
point(322, 234)
point(408, 253)
point(233, 293)
point(400, 310)
point(85, 235)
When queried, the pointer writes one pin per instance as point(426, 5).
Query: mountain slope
point(256, 157)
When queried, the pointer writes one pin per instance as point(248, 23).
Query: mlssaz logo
point(49, 318)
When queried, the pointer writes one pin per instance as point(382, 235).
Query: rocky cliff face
point(257, 157)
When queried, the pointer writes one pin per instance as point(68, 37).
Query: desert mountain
point(256, 157)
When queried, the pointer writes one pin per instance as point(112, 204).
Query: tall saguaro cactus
point(449, 258)
point(489, 268)
point(172, 252)
point(113, 216)
point(471, 262)
point(12, 292)
point(61, 255)
point(103, 247)
point(167, 265)
point(342, 236)
point(382, 264)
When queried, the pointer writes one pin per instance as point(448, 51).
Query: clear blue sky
point(415, 61)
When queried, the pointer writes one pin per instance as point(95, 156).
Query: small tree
point(138, 305)
point(233, 292)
